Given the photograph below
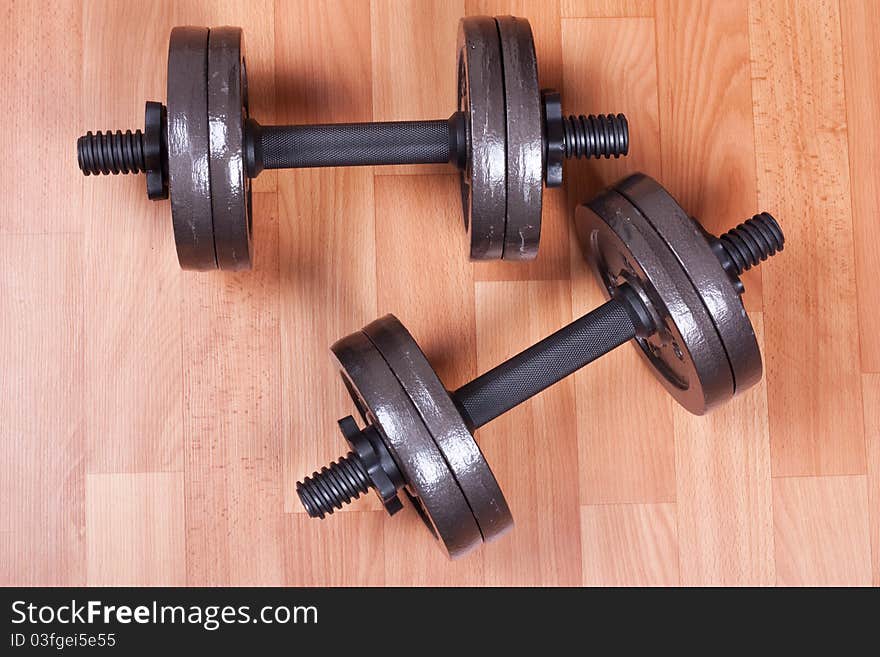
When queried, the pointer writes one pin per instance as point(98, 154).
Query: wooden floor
point(154, 421)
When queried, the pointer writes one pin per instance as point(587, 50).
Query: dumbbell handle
point(515, 380)
point(610, 325)
point(546, 362)
point(351, 144)
point(356, 144)
point(488, 396)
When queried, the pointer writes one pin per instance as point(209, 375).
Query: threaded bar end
point(602, 135)
point(752, 242)
point(334, 486)
point(111, 152)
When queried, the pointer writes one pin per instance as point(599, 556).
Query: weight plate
point(525, 141)
point(227, 111)
point(436, 409)
point(686, 240)
point(189, 175)
point(481, 97)
point(384, 404)
point(685, 353)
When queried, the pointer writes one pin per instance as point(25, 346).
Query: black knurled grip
point(356, 144)
point(543, 364)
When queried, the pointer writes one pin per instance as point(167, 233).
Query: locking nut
point(368, 465)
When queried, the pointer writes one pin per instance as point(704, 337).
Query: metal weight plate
point(230, 185)
point(724, 304)
point(685, 353)
point(481, 97)
point(436, 409)
point(525, 142)
point(189, 176)
point(384, 404)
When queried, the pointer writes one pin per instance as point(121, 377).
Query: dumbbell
point(203, 149)
point(671, 286)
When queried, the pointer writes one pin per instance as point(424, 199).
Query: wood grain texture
point(447, 339)
point(42, 442)
point(411, 558)
point(706, 127)
point(610, 65)
point(629, 545)
point(349, 551)
point(324, 266)
point(871, 396)
point(141, 344)
point(803, 177)
point(43, 116)
point(723, 492)
point(135, 529)
point(821, 531)
point(233, 458)
point(611, 427)
point(131, 276)
point(606, 8)
point(535, 462)
point(326, 233)
point(860, 36)
point(156, 421)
